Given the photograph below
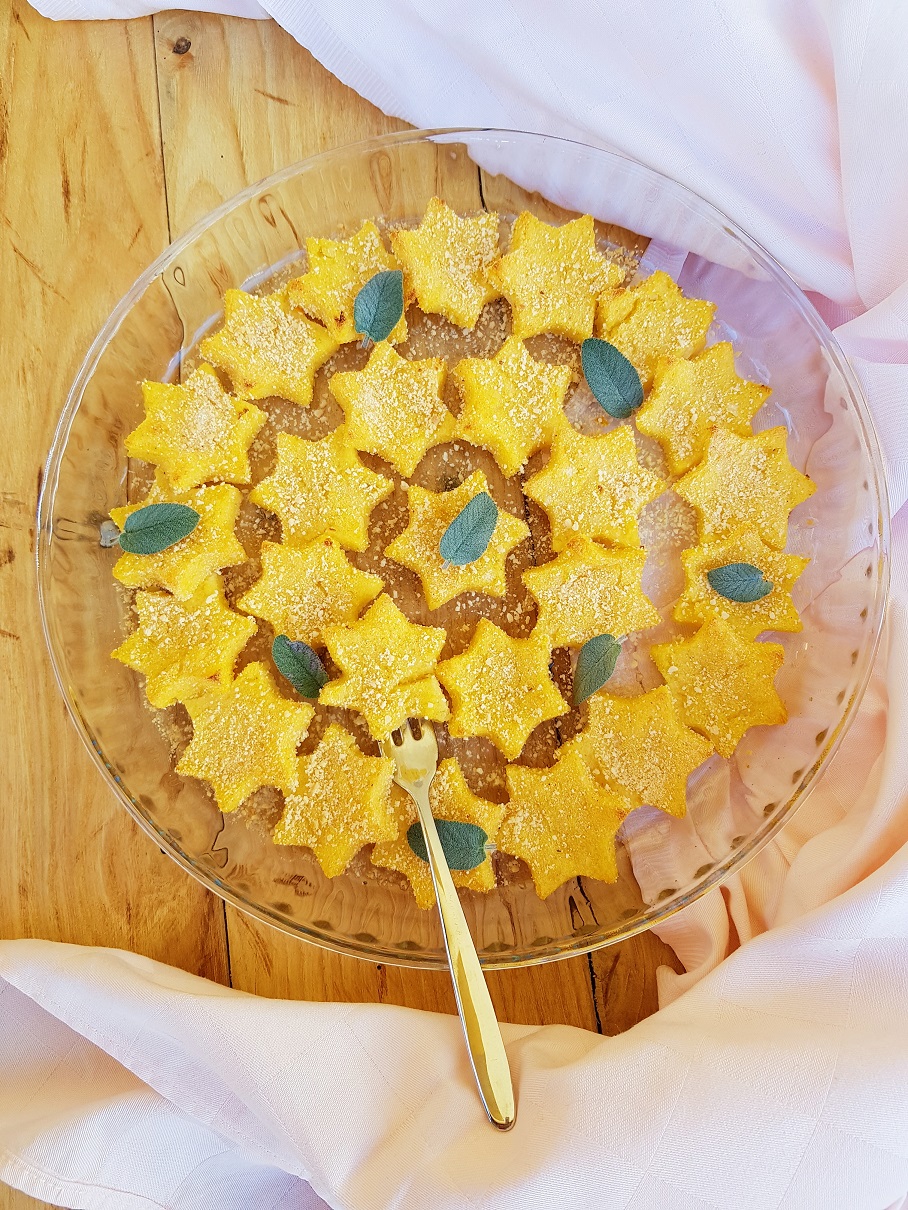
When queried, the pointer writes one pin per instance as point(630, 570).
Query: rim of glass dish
point(584, 943)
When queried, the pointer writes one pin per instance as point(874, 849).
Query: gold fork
point(416, 760)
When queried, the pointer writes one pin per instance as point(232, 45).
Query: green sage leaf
point(379, 305)
point(741, 582)
point(463, 843)
point(595, 664)
point(152, 529)
point(469, 534)
point(611, 377)
point(299, 664)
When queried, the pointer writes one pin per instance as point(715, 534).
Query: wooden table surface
point(115, 137)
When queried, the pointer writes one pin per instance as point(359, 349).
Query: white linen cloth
point(779, 1079)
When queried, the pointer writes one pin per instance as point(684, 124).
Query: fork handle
point(480, 1025)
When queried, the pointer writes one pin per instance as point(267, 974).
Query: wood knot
point(181, 46)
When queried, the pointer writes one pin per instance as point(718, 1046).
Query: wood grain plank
point(238, 100)
point(623, 976)
point(81, 214)
point(624, 980)
point(243, 100)
point(12, 1199)
point(272, 965)
point(81, 207)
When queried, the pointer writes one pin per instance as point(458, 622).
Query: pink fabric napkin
point(778, 1080)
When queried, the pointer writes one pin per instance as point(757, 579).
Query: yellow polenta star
point(195, 431)
point(181, 568)
point(641, 745)
point(746, 483)
point(562, 823)
point(588, 590)
point(417, 547)
point(387, 668)
point(268, 349)
point(394, 407)
point(501, 687)
point(512, 404)
point(321, 487)
point(338, 270)
point(450, 798)
point(552, 277)
point(653, 320)
point(723, 684)
point(699, 602)
point(690, 399)
point(182, 646)
point(303, 589)
point(244, 736)
point(446, 260)
point(342, 802)
point(594, 486)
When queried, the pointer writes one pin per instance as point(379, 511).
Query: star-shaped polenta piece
point(594, 486)
point(450, 798)
point(722, 683)
point(321, 487)
point(691, 398)
point(699, 602)
point(387, 666)
point(195, 431)
point(181, 568)
point(393, 407)
point(268, 348)
point(501, 687)
point(417, 547)
point(182, 646)
point(303, 589)
point(653, 320)
point(746, 483)
point(641, 745)
point(552, 277)
point(588, 590)
point(562, 823)
point(512, 404)
point(338, 270)
point(446, 260)
point(342, 802)
point(244, 736)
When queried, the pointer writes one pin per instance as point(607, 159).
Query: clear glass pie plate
point(736, 805)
